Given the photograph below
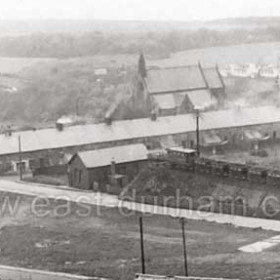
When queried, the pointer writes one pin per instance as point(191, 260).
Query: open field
point(250, 53)
point(247, 53)
point(104, 242)
point(14, 65)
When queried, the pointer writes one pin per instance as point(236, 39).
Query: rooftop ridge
point(174, 67)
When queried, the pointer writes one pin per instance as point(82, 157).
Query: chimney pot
point(59, 126)
point(108, 120)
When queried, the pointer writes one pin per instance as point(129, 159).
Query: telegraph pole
point(142, 245)
point(20, 158)
point(197, 132)
point(184, 246)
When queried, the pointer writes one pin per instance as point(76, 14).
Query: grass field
point(248, 53)
point(251, 53)
point(14, 65)
point(106, 243)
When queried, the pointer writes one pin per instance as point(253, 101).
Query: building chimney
point(108, 120)
point(113, 167)
point(142, 66)
point(113, 173)
point(153, 114)
point(59, 126)
point(8, 131)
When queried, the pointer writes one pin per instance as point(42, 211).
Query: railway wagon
point(258, 175)
point(203, 165)
point(181, 158)
point(273, 178)
point(187, 159)
point(220, 168)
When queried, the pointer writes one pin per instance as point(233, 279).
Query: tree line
point(63, 45)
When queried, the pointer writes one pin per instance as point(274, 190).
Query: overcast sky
point(137, 9)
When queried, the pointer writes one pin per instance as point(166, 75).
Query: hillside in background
point(62, 38)
point(26, 27)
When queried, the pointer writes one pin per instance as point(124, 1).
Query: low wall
point(51, 170)
point(17, 273)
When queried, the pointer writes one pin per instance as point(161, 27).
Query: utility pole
point(184, 246)
point(197, 131)
point(142, 245)
point(20, 158)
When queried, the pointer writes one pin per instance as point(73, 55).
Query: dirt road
point(113, 201)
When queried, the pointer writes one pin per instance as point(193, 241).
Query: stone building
point(170, 91)
point(178, 90)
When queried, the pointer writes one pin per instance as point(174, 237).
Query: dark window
point(76, 175)
point(32, 163)
point(42, 162)
point(274, 134)
point(192, 143)
point(71, 179)
point(22, 164)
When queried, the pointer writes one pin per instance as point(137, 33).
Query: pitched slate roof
point(174, 79)
point(165, 101)
point(210, 138)
point(201, 99)
point(213, 78)
point(182, 78)
point(132, 129)
point(255, 135)
point(120, 154)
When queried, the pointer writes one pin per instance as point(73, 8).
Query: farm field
point(263, 53)
point(251, 53)
point(247, 53)
point(14, 65)
point(105, 242)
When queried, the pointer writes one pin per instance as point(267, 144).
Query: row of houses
point(250, 70)
point(53, 146)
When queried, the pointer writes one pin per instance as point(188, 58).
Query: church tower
point(142, 66)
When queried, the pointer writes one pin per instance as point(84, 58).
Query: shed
point(98, 169)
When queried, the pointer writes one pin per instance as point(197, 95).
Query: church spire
point(142, 66)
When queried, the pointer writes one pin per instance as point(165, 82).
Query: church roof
point(200, 99)
point(213, 78)
point(175, 79)
point(165, 101)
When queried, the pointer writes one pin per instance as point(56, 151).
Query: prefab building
point(115, 166)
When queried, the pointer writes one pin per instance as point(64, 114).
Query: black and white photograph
point(139, 140)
